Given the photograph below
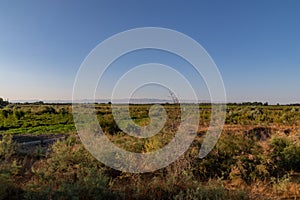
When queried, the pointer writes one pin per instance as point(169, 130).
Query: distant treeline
point(41, 103)
point(3, 103)
point(249, 104)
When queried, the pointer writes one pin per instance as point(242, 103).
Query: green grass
point(43, 119)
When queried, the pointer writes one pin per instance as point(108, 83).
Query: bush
point(109, 125)
point(285, 154)
point(69, 173)
point(47, 110)
point(235, 155)
point(8, 189)
point(8, 169)
point(3, 103)
point(19, 114)
point(7, 147)
point(5, 113)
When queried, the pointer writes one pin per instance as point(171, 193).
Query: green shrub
point(46, 110)
point(285, 154)
point(9, 168)
point(7, 147)
point(69, 173)
point(19, 114)
point(5, 113)
point(234, 152)
point(109, 125)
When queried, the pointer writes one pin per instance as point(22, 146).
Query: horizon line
point(137, 101)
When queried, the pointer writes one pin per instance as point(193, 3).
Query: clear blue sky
point(255, 44)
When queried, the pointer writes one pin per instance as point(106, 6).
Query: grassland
point(256, 157)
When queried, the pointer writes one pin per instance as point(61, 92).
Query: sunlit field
point(256, 157)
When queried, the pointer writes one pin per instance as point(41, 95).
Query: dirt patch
point(260, 133)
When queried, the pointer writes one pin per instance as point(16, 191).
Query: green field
point(43, 119)
point(256, 157)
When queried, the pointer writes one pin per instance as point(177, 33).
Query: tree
point(3, 103)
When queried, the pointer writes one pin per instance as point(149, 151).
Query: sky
point(255, 45)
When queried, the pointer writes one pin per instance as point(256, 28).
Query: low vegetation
point(256, 157)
